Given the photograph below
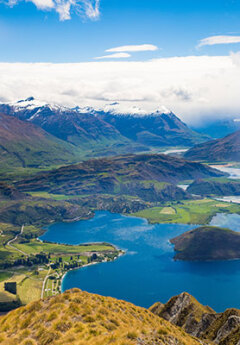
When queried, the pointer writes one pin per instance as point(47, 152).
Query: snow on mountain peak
point(115, 108)
point(134, 110)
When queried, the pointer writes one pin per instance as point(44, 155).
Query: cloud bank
point(64, 8)
point(194, 87)
point(213, 40)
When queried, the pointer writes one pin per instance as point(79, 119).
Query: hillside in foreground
point(77, 317)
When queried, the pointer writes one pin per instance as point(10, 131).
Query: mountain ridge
point(81, 318)
point(107, 127)
point(143, 175)
point(220, 150)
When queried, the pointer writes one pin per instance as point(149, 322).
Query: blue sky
point(31, 34)
point(180, 54)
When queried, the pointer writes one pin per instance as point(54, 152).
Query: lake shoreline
point(121, 253)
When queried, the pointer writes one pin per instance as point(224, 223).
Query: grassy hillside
point(77, 317)
point(219, 188)
point(151, 177)
point(23, 144)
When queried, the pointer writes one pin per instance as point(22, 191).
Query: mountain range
point(218, 128)
point(226, 149)
point(106, 131)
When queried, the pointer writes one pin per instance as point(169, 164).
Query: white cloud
point(43, 4)
point(212, 40)
point(84, 8)
point(134, 48)
point(114, 56)
point(194, 87)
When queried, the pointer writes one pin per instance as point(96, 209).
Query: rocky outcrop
point(201, 321)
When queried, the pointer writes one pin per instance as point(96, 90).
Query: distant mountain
point(218, 128)
point(150, 177)
point(220, 150)
point(22, 144)
point(78, 127)
point(158, 129)
point(108, 130)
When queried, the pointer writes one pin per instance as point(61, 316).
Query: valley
point(59, 218)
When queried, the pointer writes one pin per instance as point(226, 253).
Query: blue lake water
point(148, 273)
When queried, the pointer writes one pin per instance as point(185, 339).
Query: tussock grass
point(80, 318)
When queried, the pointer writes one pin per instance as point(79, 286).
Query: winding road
point(14, 239)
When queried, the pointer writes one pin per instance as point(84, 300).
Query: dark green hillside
point(8, 192)
point(219, 188)
point(23, 145)
point(150, 177)
point(226, 149)
point(207, 243)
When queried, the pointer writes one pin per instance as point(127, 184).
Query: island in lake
point(207, 243)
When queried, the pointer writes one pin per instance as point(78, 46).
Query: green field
point(188, 212)
point(5, 275)
point(35, 246)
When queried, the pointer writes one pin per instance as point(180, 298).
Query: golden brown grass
point(80, 318)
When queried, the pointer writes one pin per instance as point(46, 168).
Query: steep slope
point(219, 188)
point(182, 310)
point(207, 243)
point(157, 129)
point(107, 128)
point(148, 176)
point(201, 321)
point(221, 150)
point(77, 126)
point(26, 145)
point(80, 318)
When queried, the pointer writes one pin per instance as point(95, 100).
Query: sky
point(180, 54)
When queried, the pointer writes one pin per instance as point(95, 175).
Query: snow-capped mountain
point(114, 124)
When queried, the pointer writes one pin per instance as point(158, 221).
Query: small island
point(207, 243)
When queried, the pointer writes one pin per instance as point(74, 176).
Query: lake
point(234, 173)
point(148, 273)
